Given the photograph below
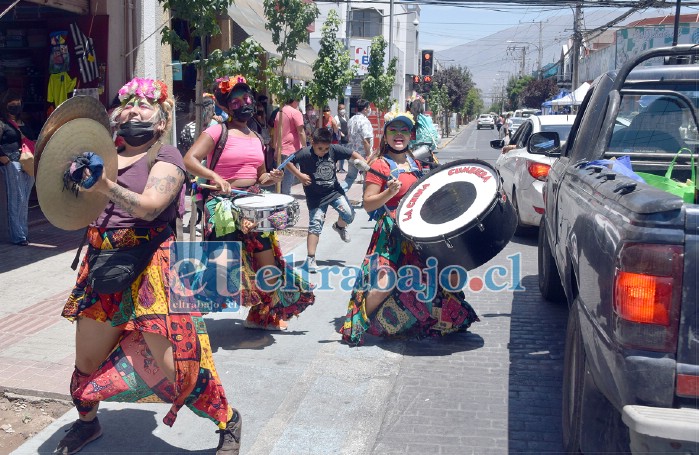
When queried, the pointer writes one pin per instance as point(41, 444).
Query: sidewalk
point(36, 343)
point(446, 140)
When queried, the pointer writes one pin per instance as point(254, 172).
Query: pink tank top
point(240, 158)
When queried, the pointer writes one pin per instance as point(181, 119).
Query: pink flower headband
point(154, 90)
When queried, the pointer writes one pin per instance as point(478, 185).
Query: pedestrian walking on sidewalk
point(238, 162)
point(18, 183)
point(379, 310)
point(318, 176)
point(130, 347)
point(293, 137)
point(341, 120)
point(361, 138)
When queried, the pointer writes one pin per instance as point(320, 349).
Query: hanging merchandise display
point(85, 52)
point(60, 57)
point(60, 85)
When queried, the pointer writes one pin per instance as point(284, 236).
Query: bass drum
point(458, 214)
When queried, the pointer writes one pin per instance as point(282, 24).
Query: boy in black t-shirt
point(316, 172)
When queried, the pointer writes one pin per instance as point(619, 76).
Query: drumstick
point(214, 187)
point(285, 162)
point(363, 166)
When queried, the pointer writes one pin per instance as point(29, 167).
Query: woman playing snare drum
point(397, 312)
point(241, 165)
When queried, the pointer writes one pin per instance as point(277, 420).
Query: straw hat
point(76, 107)
point(62, 207)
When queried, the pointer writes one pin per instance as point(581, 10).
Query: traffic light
point(426, 66)
point(427, 83)
point(417, 80)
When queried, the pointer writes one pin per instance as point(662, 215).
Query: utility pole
point(390, 31)
point(577, 44)
point(539, 76)
point(676, 32)
point(524, 59)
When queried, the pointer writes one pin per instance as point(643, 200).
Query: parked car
point(485, 121)
point(623, 255)
point(516, 122)
point(523, 173)
point(526, 113)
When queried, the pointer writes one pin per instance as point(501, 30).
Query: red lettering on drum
point(477, 171)
point(408, 215)
point(417, 195)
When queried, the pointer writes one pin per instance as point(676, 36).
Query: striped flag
point(85, 52)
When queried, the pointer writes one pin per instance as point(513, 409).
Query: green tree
point(458, 81)
point(439, 102)
point(288, 21)
point(201, 19)
point(515, 87)
point(538, 91)
point(377, 85)
point(331, 70)
point(473, 104)
point(246, 58)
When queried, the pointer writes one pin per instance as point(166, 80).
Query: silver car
point(523, 173)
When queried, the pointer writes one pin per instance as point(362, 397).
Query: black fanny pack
point(116, 269)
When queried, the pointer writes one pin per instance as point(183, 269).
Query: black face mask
point(137, 133)
point(14, 110)
point(244, 113)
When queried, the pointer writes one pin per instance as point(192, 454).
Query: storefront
point(48, 48)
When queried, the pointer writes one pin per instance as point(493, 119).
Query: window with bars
point(366, 23)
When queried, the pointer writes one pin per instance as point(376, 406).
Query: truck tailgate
point(688, 340)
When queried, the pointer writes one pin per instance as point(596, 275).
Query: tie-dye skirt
point(129, 373)
point(403, 313)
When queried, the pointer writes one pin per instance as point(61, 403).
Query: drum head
point(448, 200)
point(263, 201)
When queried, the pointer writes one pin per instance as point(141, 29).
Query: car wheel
point(522, 229)
point(574, 366)
point(550, 284)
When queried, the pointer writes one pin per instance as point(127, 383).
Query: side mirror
point(497, 144)
point(544, 143)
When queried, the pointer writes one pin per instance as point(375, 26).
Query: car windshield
point(562, 130)
point(516, 121)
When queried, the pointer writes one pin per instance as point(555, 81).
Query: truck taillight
point(538, 170)
point(647, 296)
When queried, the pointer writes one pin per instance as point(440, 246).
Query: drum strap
point(394, 172)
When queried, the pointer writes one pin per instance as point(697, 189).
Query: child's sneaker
point(344, 235)
point(311, 264)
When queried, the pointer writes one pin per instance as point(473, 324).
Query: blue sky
point(442, 27)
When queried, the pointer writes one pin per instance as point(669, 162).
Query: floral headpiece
point(154, 90)
point(394, 115)
point(226, 84)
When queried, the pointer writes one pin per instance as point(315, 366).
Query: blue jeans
point(289, 178)
point(317, 215)
point(18, 185)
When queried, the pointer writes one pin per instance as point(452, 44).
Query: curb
point(37, 395)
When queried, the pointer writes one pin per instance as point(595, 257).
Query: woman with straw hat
point(130, 347)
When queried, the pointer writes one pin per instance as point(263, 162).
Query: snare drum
point(458, 214)
point(270, 211)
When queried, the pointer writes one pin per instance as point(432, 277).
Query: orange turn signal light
point(642, 298)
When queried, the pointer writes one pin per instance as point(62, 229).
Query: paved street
point(495, 389)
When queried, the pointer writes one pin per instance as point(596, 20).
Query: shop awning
point(74, 6)
point(249, 15)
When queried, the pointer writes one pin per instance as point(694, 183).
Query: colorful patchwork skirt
point(290, 299)
point(129, 374)
point(403, 313)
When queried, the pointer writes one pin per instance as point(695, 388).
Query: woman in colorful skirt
point(239, 165)
point(130, 347)
point(374, 308)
